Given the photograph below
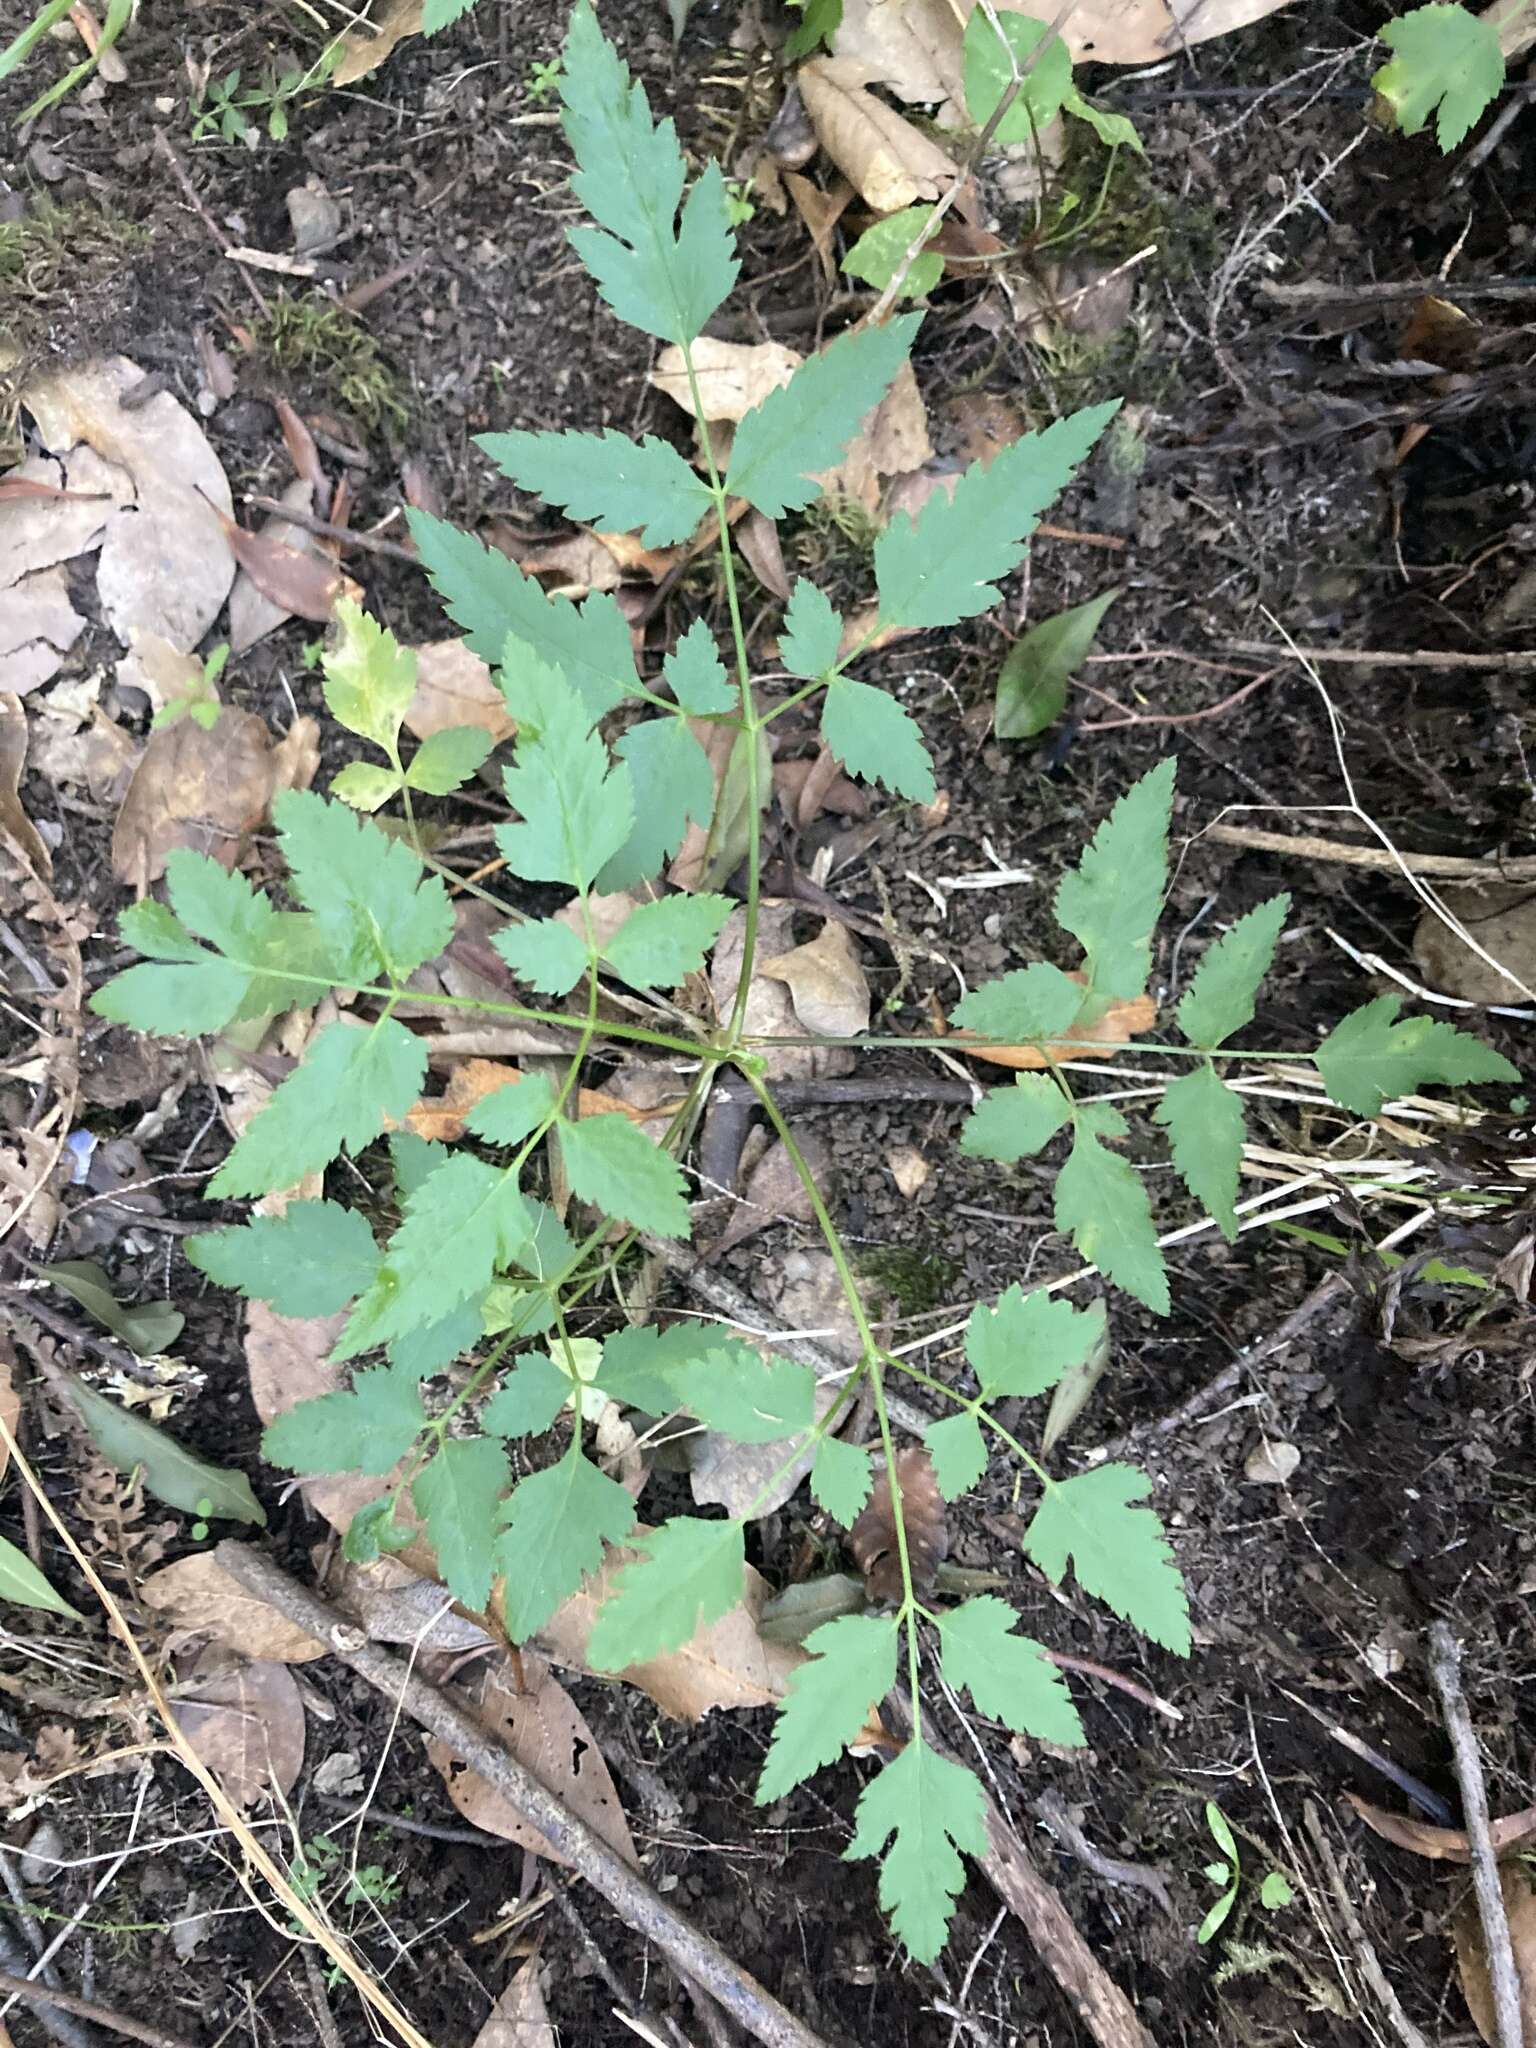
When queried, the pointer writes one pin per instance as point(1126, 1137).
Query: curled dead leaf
point(770, 1010)
point(455, 687)
point(14, 822)
point(365, 48)
point(826, 982)
point(872, 1539)
point(197, 1596)
point(888, 161)
point(733, 376)
point(1444, 1845)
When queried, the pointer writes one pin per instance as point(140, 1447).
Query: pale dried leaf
point(396, 1605)
point(365, 49)
point(894, 439)
point(197, 788)
point(161, 672)
point(288, 1361)
point(1142, 31)
point(908, 1168)
point(455, 687)
point(616, 1445)
point(1503, 917)
point(912, 46)
point(37, 531)
point(872, 1539)
point(197, 1596)
point(1472, 1954)
point(246, 1722)
point(575, 566)
point(733, 376)
point(529, 1712)
point(519, 2018)
point(38, 626)
point(10, 1400)
point(1449, 1845)
point(826, 982)
point(1271, 1462)
point(770, 1011)
point(15, 825)
point(758, 539)
point(821, 212)
point(888, 161)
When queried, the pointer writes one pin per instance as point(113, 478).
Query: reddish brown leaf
point(1448, 1845)
point(872, 1539)
point(1472, 1954)
point(304, 584)
point(25, 487)
point(302, 452)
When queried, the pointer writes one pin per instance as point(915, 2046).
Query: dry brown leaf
point(363, 50)
point(1142, 31)
point(733, 376)
point(758, 538)
point(36, 533)
point(1447, 1845)
point(442, 1116)
point(774, 1192)
point(912, 46)
point(888, 161)
point(770, 1009)
point(10, 1400)
point(908, 1168)
point(872, 1539)
point(396, 1605)
point(893, 439)
point(15, 825)
point(826, 982)
point(246, 1722)
point(1119, 1021)
point(197, 1596)
point(455, 687)
point(197, 788)
point(821, 212)
point(300, 581)
point(519, 2018)
point(806, 788)
point(577, 565)
point(160, 672)
point(721, 845)
point(302, 452)
point(1472, 1954)
point(1502, 916)
point(255, 609)
point(38, 626)
point(525, 1708)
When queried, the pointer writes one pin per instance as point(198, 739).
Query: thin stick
point(1445, 1670)
point(85, 2009)
point(1169, 717)
point(1335, 294)
point(346, 534)
point(625, 1890)
point(1365, 1955)
point(1303, 846)
point(163, 144)
point(1383, 657)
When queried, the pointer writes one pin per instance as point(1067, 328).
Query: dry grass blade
point(873, 1538)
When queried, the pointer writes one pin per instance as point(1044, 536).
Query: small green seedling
point(319, 1863)
point(223, 112)
point(542, 81)
point(1274, 1892)
point(202, 703)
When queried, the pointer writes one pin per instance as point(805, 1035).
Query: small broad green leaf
point(663, 275)
point(23, 1584)
point(1370, 1056)
point(841, 1479)
point(148, 1329)
point(367, 1427)
point(1221, 997)
point(1118, 1551)
point(1115, 130)
point(819, 22)
point(1037, 1003)
point(928, 1809)
point(733, 1389)
point(1222, 1835)
point(959, 1452)
point(575, 811)
point(372, 899)
point(365, 786)
point(813, 631)
point(1275, 1891)
point(552, 1536)
point(1032, 689)
point(616, 1167)
point(943, 566)
point(690, 1574)
point(528, 1399)
point(1101, 1203)
point(783, 444)
point(659, 943)
point(1025, 1344)
point(607, 481)
point(877, 255)
point(1014, 1123)
point(353, 1080)
point(875, 738)
point(851, 1668)
point(697, 675)
point(1204, 1122)
point(993, 61)
point(309, 1261)
point(456, 1493)
point(511, 1113)
point(672, 781)
point(446, 760)
point(172, 1473)
point(493, 601)
point(1221, 1911)
point(1443, 57)
point(368, 678)
point(1007, 1676)
point(544, 954)
point(1111, 900)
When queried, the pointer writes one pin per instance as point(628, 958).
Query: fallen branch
point(1302, 846)
point(86, 2009)
point(1445, 1670)
point(1384, 657)
point(754, 2008)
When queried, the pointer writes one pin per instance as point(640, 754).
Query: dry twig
point(85, 2009)
point(1346, 853)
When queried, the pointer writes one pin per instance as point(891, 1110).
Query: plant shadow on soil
point(1272, 484)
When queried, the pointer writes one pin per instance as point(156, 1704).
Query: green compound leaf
point(354, 1079)
point(310, 1261)
point(1445, 57)
point(1118, 1552)
point(1032, 689)
point(1037, 1002)
point(664, 279)
point(1110, 901)
point(672, 781)
point(1101, 1202)
point(1114, 130)
point(197, 992)
point(928, 1809)
point(659, 943)
point(544, 954)
point(606, 480)
point(364, 786)
point(959, 1452)
point(373, 902)
point(175, 1001)
point(1006, 1675)
point(852, 1667)
point(1370, 1056)
point(456, 1494)
point(1027, 1342)
point(942, 567)
point(875, 738)
point(697, 675)
point(446, 760)
point(552, 1536)
point(511, 1113)
point(841, 1479)
point(876, 256)
point(813, 631)
point(1204, 1122)
point(690, 1575)
point(732, 1388)
point(412, 1159)
point(638, 1363)
point(367, 1427)
point(428, 1350)
point(493, 601)
point(575, 811)
point(368, 678)
point(528, 1399)
point(616, 1167)
point(213, 903)
point(800, 430)
point(1014, 1123)
point(1221, 997)
point(23, 1583)
point(991, 63)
